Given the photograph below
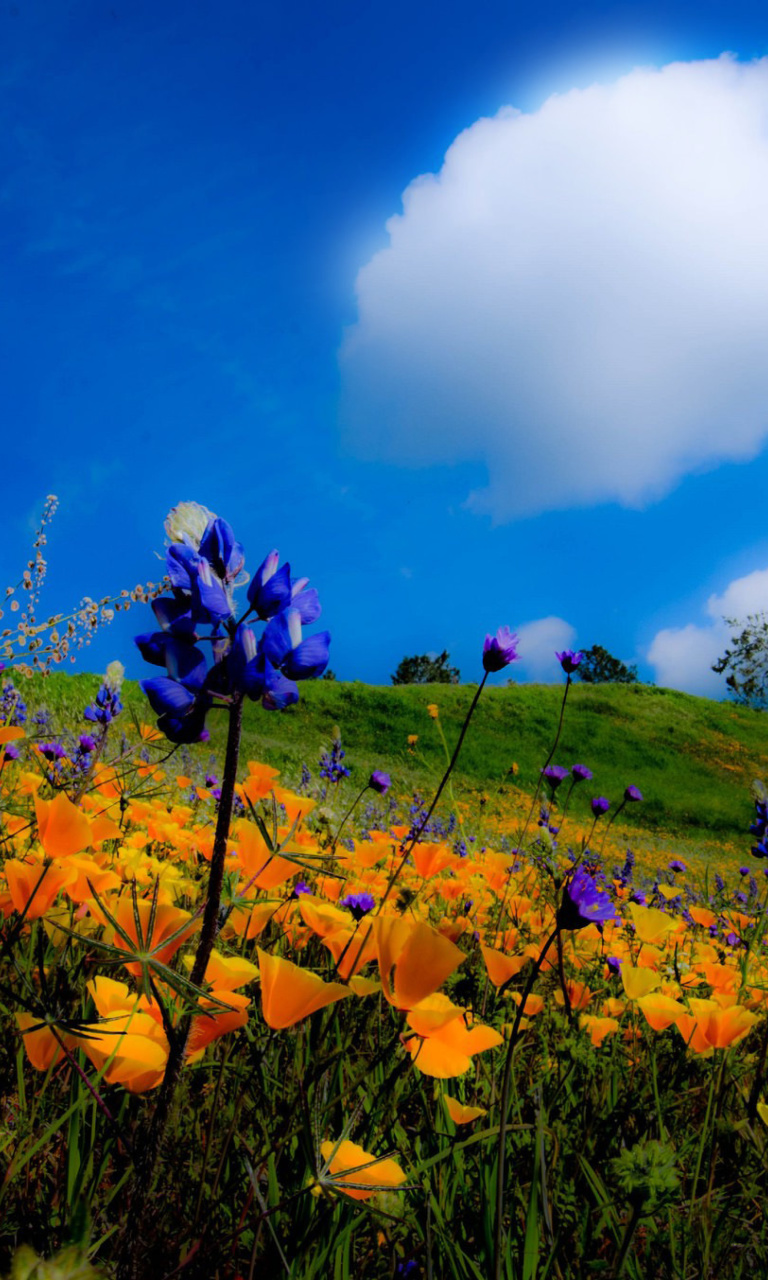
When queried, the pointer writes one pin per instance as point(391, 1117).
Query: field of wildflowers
point(306, 1026)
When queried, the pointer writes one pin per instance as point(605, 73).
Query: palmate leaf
point(275, 846)
point(147, 959)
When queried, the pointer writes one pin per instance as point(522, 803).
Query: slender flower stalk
point(521, 841)
point(130, 1267)
point(501, 1151)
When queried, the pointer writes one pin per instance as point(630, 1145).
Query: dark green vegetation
point(598, 666)
point(693, 759)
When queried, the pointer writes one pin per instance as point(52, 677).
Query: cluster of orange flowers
point(117, 871)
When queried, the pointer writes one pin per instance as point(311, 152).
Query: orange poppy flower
point(421, 957)
point(41, 1046)
point(33, 886)
point(461, 1114)
point(501, 967)
point(357, 1173)
point(289, 994)
point(62, 828)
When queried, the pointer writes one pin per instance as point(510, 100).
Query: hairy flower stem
point(504, 1109)
point(536, 793)
point(406, 847)
point(347, 816)
point(414, 839)
point(130, 1267)
point(609, 824)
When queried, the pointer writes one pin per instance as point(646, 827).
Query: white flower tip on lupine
point(186, 522)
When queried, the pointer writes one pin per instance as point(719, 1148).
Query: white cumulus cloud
point(539, 641)
point(579, 298)
point(682, 657)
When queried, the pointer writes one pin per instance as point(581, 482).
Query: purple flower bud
point(380, 781)
point(500, 650)
point(677, 865)
point(569, 660)
point(581, 773)
point(633, 793)
point(86, 743)
point(600, 806)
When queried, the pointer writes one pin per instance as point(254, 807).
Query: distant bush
point(426, 669)
point(598, 666)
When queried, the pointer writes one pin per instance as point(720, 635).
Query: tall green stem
point(504, 1108)
point(131, 1265)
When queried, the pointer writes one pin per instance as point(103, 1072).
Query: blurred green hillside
point(693, 759)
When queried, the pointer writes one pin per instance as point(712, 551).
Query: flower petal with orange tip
point(449, 1052)
point(62, 828)
point(11, 733)
point(501, 967)
point(638, 982)
point(259, 782)
point(290, 994)
point(660, 1011)
point(598, 1027)
point(422, 959)
point(33, 886)
point(216, 1021)
point(356, 1173)
point(40, 1045)
point(461, 1114)
point(652, 925)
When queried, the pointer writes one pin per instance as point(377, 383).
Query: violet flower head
point(584, 903)
point(380, 781)
point(633, 794)
point(555, 774)
point(359, 904)
point(569, 660)
point(581, 773)
point(600, 806)
point(500, 650)
point(677, 864)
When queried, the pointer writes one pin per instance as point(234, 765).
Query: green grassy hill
point(693, 759)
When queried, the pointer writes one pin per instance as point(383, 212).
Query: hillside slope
point(693, 759)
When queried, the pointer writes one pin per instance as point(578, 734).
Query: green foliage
point(426, 669)
point(647, 1175)
point(67, 1265)
point(746, 662)
point(598, 666)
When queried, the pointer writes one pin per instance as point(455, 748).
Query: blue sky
point(534, 394)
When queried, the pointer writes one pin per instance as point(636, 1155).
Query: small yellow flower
point(433, 710)
point(412, 739)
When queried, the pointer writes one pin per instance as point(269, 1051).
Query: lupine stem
point(130, 1267)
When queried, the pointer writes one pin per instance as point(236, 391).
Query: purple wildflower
point(555, 774)
point(359, 904)
point(677, 865)
point(380, 781)
point(569, 660)
point(600, 806)
point(584, 903)
point(633, 794)
point(581, 773)
point(500, 650)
